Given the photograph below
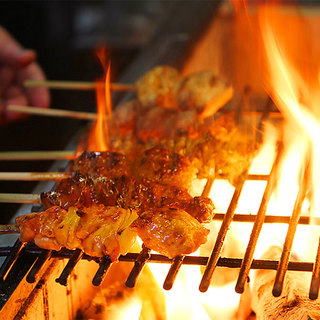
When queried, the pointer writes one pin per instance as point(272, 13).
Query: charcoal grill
point(18, 254)
point(28, 264)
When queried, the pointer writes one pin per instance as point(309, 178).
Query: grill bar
point(41, 260)
point(188, 260)
point(104, 266)
point(173, 272)
point(139, 263)
point(286, 251)
point(74, 259)
point(315, 279)
point(11, 258)
point(177, 262)
point(207, 276)
point(248, 257)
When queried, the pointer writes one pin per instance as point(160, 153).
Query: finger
point(6, 77)
point(37, 96)
point(16, 57)
point(14, 95)
point(12, 54)
point(2, 112)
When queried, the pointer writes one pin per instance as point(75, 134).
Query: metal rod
point(207, 275)
point(303, 220)
point(143, 257)
point(286, 251)
point(104, 266)
point(158, 258)
point(11, 258)
point(315, 279)
point(41, 260)
point(248, 257)
point(173, 272)
point(268, 219)
point(207, 188)
point(76, 256)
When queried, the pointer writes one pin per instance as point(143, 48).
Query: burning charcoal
point(293, 303)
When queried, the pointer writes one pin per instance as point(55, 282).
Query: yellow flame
point(99, 135)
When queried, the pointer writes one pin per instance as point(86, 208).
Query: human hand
point(17, 65)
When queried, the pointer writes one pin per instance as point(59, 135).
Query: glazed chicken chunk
point(170, 232)
point(97, 230)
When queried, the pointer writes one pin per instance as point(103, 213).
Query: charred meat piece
point(148, 196)
point(106, 164)
point(124, 192)
point(170, 232)
point(81, 191)
point(97, 230)
point(163, 167)
point(74, 191)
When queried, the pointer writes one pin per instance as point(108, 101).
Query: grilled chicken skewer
point(112, 196)
point(94, 208)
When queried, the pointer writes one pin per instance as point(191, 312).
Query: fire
point(99, 137)
point(295, 88)
point(292, 78)
point(295, 91)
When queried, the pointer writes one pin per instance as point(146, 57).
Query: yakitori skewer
point(37, 155)
point(77, 85)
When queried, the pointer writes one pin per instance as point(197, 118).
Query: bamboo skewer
point(9, 228)
point(57, 176)
point(53, 112)
point(62, 113)
point(37, 155)
point(33, 176)
point(19, 198)
point(77, 85)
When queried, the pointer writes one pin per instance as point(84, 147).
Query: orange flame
point(294, 67)
point(99, 135)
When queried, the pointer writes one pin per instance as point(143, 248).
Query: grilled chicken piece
point(204, 93)
point(163, 167)
point(124, 192)
point(81, 191)
point(106, 164)
point(97, 230)
point(93, 209)
point(159, 87)
point(153, 196)
point(170, 232)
